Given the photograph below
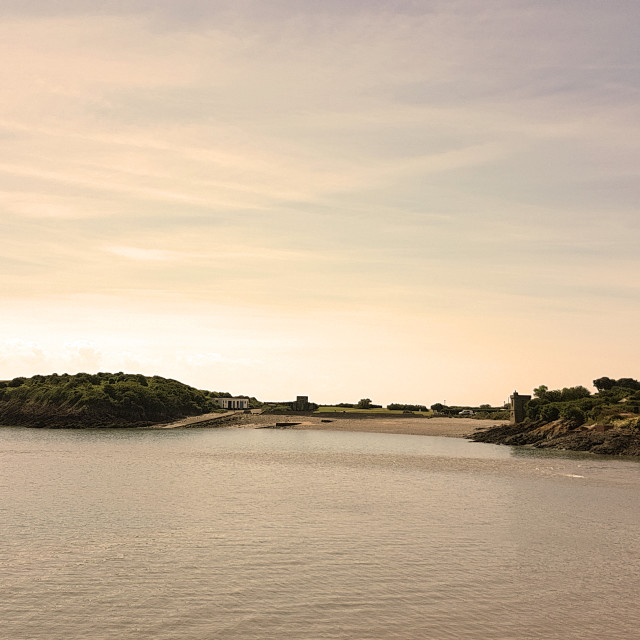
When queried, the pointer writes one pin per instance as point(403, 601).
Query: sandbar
point(447, 427)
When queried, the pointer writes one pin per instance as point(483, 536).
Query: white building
point(233, 403)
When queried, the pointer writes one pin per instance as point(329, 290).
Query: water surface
point(227, 533)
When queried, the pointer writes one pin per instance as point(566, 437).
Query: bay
point(232, 533)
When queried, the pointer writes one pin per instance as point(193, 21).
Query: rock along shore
point(622, 441)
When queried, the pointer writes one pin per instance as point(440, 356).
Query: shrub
point(574, 415)
point(549, 413)
point(533, 411)
point(395, 406)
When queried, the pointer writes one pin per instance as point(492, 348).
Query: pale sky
point(410, 200)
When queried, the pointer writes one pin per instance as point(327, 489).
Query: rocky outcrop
point(601, 439)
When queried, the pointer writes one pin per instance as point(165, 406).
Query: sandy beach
point(448, 427)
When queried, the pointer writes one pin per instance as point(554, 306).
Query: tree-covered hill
point(573, 418)
point(100, 400)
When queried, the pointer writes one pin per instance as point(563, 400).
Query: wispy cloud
point(471, 166)
point(142, 255)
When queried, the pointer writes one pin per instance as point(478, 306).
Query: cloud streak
point(445, 173)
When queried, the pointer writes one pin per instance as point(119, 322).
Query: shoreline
point(441, 427)
point(563, 436)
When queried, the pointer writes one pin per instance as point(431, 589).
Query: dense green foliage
point(101, 399)
point(394, 406)
point(606, 384)
point(363, 403)
point(561, 395)
point(606, 422)
point(615, 401)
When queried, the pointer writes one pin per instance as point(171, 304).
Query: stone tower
point(517, 407)
point(301, 403)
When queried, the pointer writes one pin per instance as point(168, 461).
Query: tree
point(574, 393)
point(365, 403)
point(603, 384)
point(628, 383)
point(541, 391)
point(561, 395)
point(396, 406)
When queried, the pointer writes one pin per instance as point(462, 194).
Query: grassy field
point(425, 414)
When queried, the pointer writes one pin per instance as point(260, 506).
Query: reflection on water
point(301, 534)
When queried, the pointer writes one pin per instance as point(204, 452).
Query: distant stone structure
point(301, 404)
point(517, 407)
point(232, 403)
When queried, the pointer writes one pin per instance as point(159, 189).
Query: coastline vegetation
point(573, 418)
point(605, 422)
point(377, 410)
point(100, 400)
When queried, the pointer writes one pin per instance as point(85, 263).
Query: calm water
point(261, 534)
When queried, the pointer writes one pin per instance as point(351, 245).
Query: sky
point(411, 201)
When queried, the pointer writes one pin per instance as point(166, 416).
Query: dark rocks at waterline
point(623, 441)
point(280, 425)
point(613, 443)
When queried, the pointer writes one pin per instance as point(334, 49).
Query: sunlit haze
point(410, 201)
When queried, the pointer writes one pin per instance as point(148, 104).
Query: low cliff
point(621, 439)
